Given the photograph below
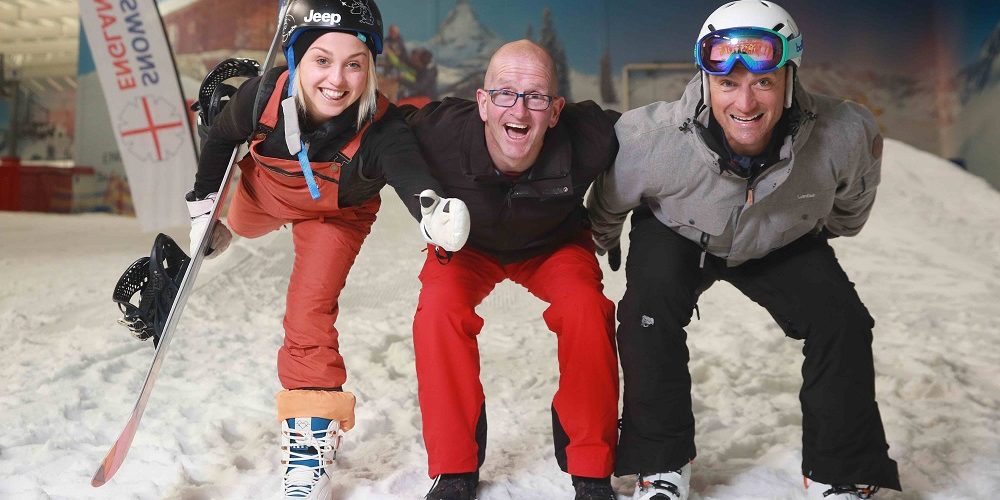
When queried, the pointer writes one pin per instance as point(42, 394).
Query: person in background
point(425, 79)
point(744, 180)
point(322, 146)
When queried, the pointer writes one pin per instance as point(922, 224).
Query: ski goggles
point(759, 49)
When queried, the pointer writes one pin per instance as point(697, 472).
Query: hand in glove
point(614, 256)
point(823, 232)
point(445, 221)
point(201, 211)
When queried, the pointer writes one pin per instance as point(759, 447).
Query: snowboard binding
point(156, 279)
point(214, 94)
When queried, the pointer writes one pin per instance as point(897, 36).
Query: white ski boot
point(673, 485)
point(308, 449)
point(820, 491)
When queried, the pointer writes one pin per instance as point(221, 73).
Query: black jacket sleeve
point(595, 144)
point(232, 128)
point(396, 156)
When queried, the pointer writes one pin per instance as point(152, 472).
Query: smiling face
point(514, 135)
point(333, 74)
point(747, 106)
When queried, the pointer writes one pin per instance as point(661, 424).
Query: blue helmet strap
point(293, 137)
point(307, 171)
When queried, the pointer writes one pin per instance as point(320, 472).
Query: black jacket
point(388, 150)
point(516, 219)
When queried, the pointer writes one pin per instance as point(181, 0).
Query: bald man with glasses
point(521, 158)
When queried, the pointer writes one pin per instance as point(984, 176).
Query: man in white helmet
point(744, 179)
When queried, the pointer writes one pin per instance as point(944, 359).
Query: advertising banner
point(145, 104)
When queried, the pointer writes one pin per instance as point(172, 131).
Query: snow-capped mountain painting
point(463, 42)
point(462, 48)
point(978, 128)
point(920, 109)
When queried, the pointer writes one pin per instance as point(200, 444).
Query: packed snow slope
point(927, 265)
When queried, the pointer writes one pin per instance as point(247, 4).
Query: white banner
point(148, 114)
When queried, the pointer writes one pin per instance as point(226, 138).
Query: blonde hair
point(368, 100)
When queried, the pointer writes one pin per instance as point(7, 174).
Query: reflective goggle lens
point(760, 50)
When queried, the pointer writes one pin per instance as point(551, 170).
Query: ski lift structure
point(646, 83)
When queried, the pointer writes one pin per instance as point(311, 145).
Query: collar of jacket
point(549, 174)
point(345, 124)
point(715, 139)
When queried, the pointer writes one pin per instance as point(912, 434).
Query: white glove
point(201, 211)
point(445, 221)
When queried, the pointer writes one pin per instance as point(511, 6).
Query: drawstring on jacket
point(704, 250)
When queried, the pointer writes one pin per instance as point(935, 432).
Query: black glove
point(614, 256)
point(824, 233)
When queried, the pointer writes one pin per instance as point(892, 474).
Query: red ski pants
point(326, 243)
point(452, 404)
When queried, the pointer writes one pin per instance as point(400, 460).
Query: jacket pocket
point(794, 217)
point(706, 218)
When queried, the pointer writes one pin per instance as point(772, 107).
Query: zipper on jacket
point(286, 173)
point(793, 132)
point(704, 250)
point(754, 178)
point(753, 181)
point(508, 200)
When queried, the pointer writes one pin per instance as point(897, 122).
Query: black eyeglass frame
point(520, 95)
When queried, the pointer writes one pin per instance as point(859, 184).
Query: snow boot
point(454, 487)
point(673, 485)
point(588, 488)
point(820, 491)
point(308, 449)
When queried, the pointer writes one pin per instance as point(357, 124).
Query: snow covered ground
point(927, 266)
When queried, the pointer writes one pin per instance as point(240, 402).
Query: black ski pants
point(807, 293)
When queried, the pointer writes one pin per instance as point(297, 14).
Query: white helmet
point(757, 14)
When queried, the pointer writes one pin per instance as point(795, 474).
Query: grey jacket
point(827, 175)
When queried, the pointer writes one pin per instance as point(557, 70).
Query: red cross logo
point(151, 129)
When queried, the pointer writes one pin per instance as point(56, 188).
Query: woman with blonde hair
point(323, 143)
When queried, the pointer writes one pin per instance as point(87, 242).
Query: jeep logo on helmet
point(325, 17)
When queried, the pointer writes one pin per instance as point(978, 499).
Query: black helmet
point(354, 16)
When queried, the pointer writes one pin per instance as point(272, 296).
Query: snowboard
point(116, 455)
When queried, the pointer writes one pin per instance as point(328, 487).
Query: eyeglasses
point(760, 50)
point(508, 98)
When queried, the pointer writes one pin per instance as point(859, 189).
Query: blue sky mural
point(922, 33)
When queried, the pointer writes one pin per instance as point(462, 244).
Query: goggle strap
point(793, 47)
